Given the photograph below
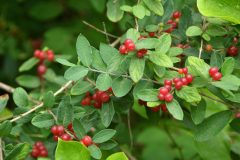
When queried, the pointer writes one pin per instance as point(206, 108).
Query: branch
point(41, 103)
point(130, 129)
point(1, 149)
point(200, 50)
point(6, 88)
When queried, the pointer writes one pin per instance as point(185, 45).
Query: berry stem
point(200, 49)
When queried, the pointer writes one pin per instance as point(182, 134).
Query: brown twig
point(6, 87)
point(115, 42)
point(1, 149)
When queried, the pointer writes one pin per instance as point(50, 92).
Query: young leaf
point(189, 94)
point(44, 120)
point(228, 82)
point(136, 68)
point(175, 110)
point(28, 81)
point(147, 43)
point(103, 135)
point(71, 150)
point(95, 152)
point(148, 95)
point(84, 50)
point(121, 86)
point(48, 99)
point(104, 81)
point(161, 59)
point(29, 64)
point(114, 13)
point(194, 31)
point(20, 97)
point(164, 44)
point(107, 113)
point(138, 11)
point(132, 34)
point(228, 66)
point(78, 128)
point(75, 73)
point(3, 101)
point(155, 6)
point(117, 156)
point(81, 87)
point(65, 111)
point(211, 126)
point(126, 8)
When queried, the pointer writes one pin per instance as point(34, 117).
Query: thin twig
point(114, 43)
point(99, 30)
point(1, 149)
point(90, 81)
point(200, 49)
point(54, 117)
point(136, 23)
point(105, 30)
point(6, 87)
point(130, 156)
point(130, 129)
point(41, 104)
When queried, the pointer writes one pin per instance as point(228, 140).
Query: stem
point(6, 87)
point(1, 149)
point(200, 50)
point(105, 30)
point(130, 129)
point(130, 156)
point(41, 104)
point(174, 142)
point(115, 42)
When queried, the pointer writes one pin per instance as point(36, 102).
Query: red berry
point(50, 55)
point(175, 80)
point(66, 137)
point(168, 87)
point(70, 127)
point(169, 30)
point(180, 71)
point(140, 53)
point(104, 97)
point(97, 104)
point(155, 109)
point(170, 21)
point(161, 97)
point(208, 48)
point(169, 97)
point(217, 76)
point(184, 81)
point(212, 71)
point(42, 55)
point(232, 51)
point(123, 49)
point(163, 91)
point(43, 153)
point(35, 153)
point(42, 148)
point(185, 70)
point(189, 78)
point(142, 103)
point(38, 144)
point(164, 107)
point(86, 101)
point(176, 14)
point(180, 45)
point(237, 115)
point(55, 138)
point(178, 85)
point(151, 34)
point(37, 53)
point(42, 69)
point(54, 130)
point(60, 130)
point(127, 42)
point(131, 47)
point(87, 140)
point(168, 82)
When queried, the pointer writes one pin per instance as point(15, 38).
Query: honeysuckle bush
point(168, 88)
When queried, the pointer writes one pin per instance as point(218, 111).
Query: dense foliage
point(166, 88)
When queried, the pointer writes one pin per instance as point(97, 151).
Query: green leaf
point(212, 125)
point(5, 128)
point(104, 81)
point(117, 156)
point(164, 44)
point(115, 62)
point(198, 112)
point(228, 82)
point(126, 8)
point(71, 150)
point(121, 86)
point(65, 62)
point(175, 51)
point(44, 120)
point(132, 34)
point(65, 111)
point(28, 81)
point(108, 145)
point(20, 151)
point(148, 95)
point(175, 110)
point(136, 68)
point(78, 128)
point(193, 31)
point(103, 135)
point(212, 8)
point(114, 13)
point(141, 110)
point(95, 152)
point(189, 94)
point(75, 73)
point(48, 99)
point(81, 87)
point(160, 59)
point(147, 43)
point(3, 101)
point(107, 113)
point(98, 61)
point(20, 97)
point(84, 50)
point(235, 124)
point(155, 6)
point(29, 64)
point(228, 66)
point(139, 11)
point(216, 30)
point(107, 53)
point(206, 37)
point(152, 28)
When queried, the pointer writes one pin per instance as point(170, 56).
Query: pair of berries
point(183, 46)
point(59, 132)
point(165, 95)
point(141, 53)
point(174, 21)
point(39, 150)
point(163, 107)
point(232, 51)
point(99, 97)
point(128, 46)
point(87, 141)
point(213, 72)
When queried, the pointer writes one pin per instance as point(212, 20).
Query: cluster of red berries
point(174, 21)
point(141, 53)
point(97, 99)
point(128, 46)
point(179, 82)
point(59, 132)
point(87, 141)
point(213, 72)
point(39, 150)
point(232, 51)
point(163, 107)
point(42, 56)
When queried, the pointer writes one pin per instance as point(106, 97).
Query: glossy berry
point(180, 71)
point(87, 140)
point(185, 70)
point(163, 91)
point(131, 47)
point(167, 82)
point(60, 130)
point(70, 127)
point(237, 115)
point(42, 69)
point(50, 55)
point(178, 85)
point(189, 78)
point(168, 87)
point(217, 76)
point(208, 48)
point(54, 130)
point(39, 150)
point(155, 109)
point(184, 81)
point(176, 14)
point(175, 80)
point(164, 108)
point(123, 49)
point(43, 153)
point(97, 104)
point(104, 97)
point(55, 138)
point(66, 137)
point(140, 53)
point(151, 34)
point(35, 153)
point(86, 101)
point(37, 53)
point(232, 51)
point(127, 42)
point(212, 71)
point(169, 97)
point(169, 30)
point(161, 97)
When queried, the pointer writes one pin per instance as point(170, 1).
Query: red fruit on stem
point(168, 87)
point(60, 130)
point(123, 49)
point(212, 71)
point(70, 127)
point(208, 48)
point(55, 138)
point(104, 97)
point(168, 82)
point(54, 130)
point(97, 104)
point(176, 14)
point(189, 78)
point(175, 80)
point(37, 53)
point(184, 81)
point(155, 109)
point(140, 53)
point(237, 115)
point(163, 91)
point(38, 144)
point(169, 30)
point(217, 76)
point(232, 51)
point(131, 47)
point(87, 140)
point(42, 56)
point(42, 69)
point(169, 97)
point(127, 42)
point(180, 45)
point(35, 153)
point(161, 97)
point(151, 34)
point(185, 70)
point(164, 108)
point(50, 55)
point(66, 137)
point(178, 85)
point(43, 153)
